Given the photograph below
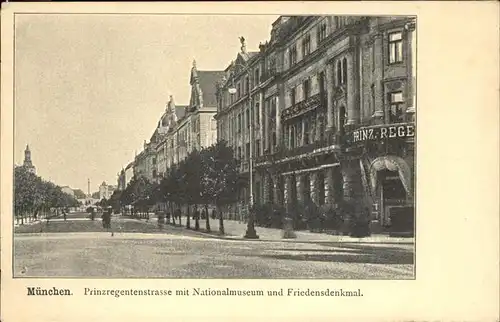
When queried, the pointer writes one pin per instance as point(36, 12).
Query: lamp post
point(250, 232)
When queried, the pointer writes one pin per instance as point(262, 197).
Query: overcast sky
point(90, 88)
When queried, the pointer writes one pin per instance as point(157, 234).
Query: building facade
point(125, 176)
point(332, 104)
point(181, 128)
point(105, 191)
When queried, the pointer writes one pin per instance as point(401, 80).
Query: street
point(80, 247)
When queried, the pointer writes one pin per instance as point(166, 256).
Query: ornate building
point(332, 102)
point(105, 191)
point(181, 128)
point(27, 164)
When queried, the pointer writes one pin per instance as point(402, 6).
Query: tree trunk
point(221, 221)
point(207, 217)
point(180, 216)
point(188, 220)
point(196, 218)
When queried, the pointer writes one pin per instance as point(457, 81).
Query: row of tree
point(206, 177)
point(35, 197)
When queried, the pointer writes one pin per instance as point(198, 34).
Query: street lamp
point(250, 233)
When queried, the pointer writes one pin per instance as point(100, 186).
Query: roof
point(180, 111)
point(208, 81)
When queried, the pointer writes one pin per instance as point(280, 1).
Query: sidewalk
point(236, 230)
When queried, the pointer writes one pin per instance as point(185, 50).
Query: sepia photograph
point(214, 146)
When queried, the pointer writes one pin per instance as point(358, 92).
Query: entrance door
point(393, 193)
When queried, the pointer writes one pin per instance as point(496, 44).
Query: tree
point(219, 178)
point(79, 194)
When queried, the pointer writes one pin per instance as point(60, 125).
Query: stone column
point(329, 102)
point(276, 191)
point(299, 182)
point(353, 187)
point(329, 187)
point(288, 192)
point(412, 66)
point(280, 106)
point(302, 130)
point(352, 86)
point(265, 188)
point(262, 118)
point(314, 187)
point(289, 143)
point(378, 70)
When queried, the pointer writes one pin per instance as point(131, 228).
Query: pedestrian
point(64, 214)
point(161, 219)
point(107, 220)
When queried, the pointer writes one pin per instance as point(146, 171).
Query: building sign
point(382, 132)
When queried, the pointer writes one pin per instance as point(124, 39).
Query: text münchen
point(48, 291)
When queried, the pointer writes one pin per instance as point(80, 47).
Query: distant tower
point(88, 188)
point(27, 160)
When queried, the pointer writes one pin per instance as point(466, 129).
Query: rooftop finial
point(243, 45)
point(194, 63)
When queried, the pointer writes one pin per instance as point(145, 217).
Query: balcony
point(301, 107)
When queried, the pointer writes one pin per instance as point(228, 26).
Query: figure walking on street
point(106, 220)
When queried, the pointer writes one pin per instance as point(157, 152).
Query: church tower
point(27, 160)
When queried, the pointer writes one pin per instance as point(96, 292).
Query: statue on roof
point(243, 45)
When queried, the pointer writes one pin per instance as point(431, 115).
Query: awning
point(391, 163)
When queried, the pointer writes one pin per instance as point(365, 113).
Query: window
point(344, 71)
point(257, 77)
point(395, 47)
point(373, 57)
point(292, 96)
point(306, 87)
point(239, 123)
point(372, 98)
point(273, 109)
point(321, 33)
point(247, 85)
point(339, 73)
point(274, 139)
point(306, 131)
point(292, 55)
point(396, 107)
point(248, 118)
point(257, 114)
point(247, 151)
point(306, 46)
point(257, 148)
point(239, 153)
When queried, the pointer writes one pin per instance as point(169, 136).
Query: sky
point(89, 89)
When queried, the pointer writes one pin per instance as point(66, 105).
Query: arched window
point(339, 73)
point(344, 71)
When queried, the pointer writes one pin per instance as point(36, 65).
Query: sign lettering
point(376, 133)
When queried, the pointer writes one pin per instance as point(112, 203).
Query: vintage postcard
point(227, 161)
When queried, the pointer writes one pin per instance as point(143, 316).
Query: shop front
point(385, 155)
